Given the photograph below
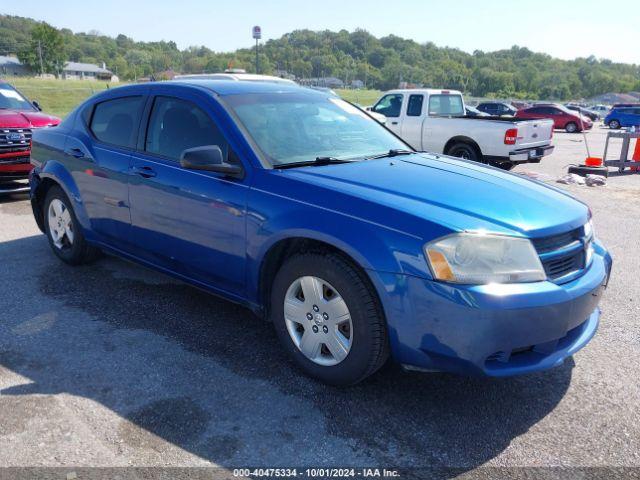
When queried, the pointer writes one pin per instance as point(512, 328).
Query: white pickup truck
point(435, 121)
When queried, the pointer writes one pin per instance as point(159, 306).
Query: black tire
point(614, 124)
point(76, 252)
point(369, 349)
point(464, 150)
point(571, 127)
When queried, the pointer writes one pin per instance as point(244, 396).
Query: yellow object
point(440, 266)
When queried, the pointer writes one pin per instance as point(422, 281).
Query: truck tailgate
point(534, 133)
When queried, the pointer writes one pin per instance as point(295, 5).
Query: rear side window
point(389, 105)
point(176, 125)
point(116, 121)
point(446, 105)
point(414, 108)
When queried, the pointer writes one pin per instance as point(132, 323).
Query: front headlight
point(473, 258)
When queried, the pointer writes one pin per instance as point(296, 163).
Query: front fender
point(372, 246)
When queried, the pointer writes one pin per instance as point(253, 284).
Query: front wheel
point(328, 318)
point(464, 150)
point(63, 231)
point(614, 124)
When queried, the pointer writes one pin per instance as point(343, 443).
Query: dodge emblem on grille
point(15, 136)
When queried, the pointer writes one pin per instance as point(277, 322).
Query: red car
point(18, 118)
point(562, 117)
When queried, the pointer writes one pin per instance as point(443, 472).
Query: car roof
point(237, 77)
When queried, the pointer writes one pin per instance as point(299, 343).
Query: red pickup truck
point(18, 118)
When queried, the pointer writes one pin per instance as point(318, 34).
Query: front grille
point(14, 160)
point(15, 140)
point(563, 256)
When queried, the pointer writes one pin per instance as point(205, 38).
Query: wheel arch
point(278, 251)
point(463, 139)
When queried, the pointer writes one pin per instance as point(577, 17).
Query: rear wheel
point(464, 150)
point(63, 231)
point(328, 318)
point(614, 124)
point(571, 127)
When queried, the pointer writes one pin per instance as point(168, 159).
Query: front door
point(391, 107)
point(191, 222)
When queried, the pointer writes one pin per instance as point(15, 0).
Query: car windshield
point(293, 128)
point(11, 99)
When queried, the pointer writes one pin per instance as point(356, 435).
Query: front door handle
point(394, 123)
point(143, 171)
point(75, 152)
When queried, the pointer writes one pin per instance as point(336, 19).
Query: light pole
point(257, 34)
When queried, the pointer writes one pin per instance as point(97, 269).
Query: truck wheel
point(63, 231)
point(614, 124)
point(464, 150)
point(571, 127)
point(328, 318)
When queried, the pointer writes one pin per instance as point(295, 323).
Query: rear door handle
point(394, 123)
point(143, 171)
point(75, 152)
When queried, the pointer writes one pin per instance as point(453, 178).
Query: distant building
point(87, 71)
point(357, 83)
point(612, 98)
point(11, 66)
point(327, 82)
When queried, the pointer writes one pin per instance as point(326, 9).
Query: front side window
point(389, 105)
point(115, 121)
point(446, 105)
point(292, 128)
point(176, 125)
point(414, 108)
point(11, 99)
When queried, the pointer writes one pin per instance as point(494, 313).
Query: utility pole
point(40, 56)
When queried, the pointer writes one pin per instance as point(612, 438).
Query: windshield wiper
point(394, 152)
point(319, 161)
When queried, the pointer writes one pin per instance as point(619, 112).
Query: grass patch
point(57, 97)
point(361, 97)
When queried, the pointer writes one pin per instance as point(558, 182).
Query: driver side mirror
point(37, 105)
point(209, 158)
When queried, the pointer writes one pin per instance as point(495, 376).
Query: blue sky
point(562, 28)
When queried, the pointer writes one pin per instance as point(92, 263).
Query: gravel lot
point(114, 365)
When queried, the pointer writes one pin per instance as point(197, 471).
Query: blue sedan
point(303, 208)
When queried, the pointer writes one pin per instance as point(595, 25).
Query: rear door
point(391, 106)
point(100, 151)
point(189, 221)
point(412, 120)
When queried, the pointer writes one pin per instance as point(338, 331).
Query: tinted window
point(447, 105)
point(389, 105)
point(414, 108)
point(176, 125)
point(116, 121)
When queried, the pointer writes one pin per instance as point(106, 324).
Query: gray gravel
point(114, 365)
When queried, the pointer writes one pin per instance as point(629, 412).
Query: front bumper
point(15, 166)
point(495, 330)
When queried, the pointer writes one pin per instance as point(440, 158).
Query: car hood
point(453, 193)
point(26, 119)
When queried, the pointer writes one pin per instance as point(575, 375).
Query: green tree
point(45, 52)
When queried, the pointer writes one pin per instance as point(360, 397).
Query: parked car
point(299, 206)
point(434, 120)
point(603, 110)
point(474, 112)
point(236, 76)
point(562, 117)
point(18, 118)
point(497, 109)
point(623, 117)
point(591, 114)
